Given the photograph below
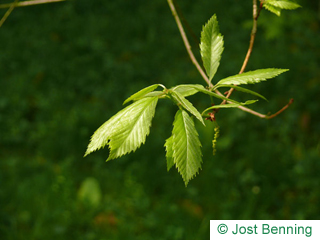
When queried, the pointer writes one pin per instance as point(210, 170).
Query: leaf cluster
point(128, 129)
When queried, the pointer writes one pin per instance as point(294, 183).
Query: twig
point(187, 44)
point(195, 62)
point(255, 16)
point(186, 24)
point(281, 110)
point(8, 12)
point(28, 3)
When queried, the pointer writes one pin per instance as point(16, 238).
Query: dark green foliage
point(61, 65)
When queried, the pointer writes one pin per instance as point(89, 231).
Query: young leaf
point(169, 154)
point(273, 9)
point(132, 128)
point(283, 4)
point(125, 125)
point(230, 105)
point(241, 89)
point(141, 93)
point(205, 91)
point(154, 94)
point(186, 89)
point(102, 135)
point(186, 105)
point(186, 146)
point(252, 76)
point(211, 46)
point(275, 6)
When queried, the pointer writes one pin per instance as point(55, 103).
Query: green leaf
point(241, 89)
point(169, 154)
point(103, 134)
point(186, 146)
point(154, 94)
point(186, 89)
point(252, 76)
point(211, 46)
point(272, 9)
point(230, 105)
point(126, 130)
point(186, 105)
point(132, 129)
point(205, 91)
point(141, 93)
point(283, 4)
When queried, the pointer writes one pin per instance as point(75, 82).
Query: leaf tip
point(86, 154)
point(89, 150)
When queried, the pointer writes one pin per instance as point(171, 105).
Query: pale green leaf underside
point(205, 91)
point(126, 130)
point(102, 135)
point(272, 9)
point(276, 6)
point(186, 146)
point(283, 4)
point(252, 76)
point(186, 105)
point(211, 46)
point(133, 128)
point(154, 94)
point(241, 89)
point(141, 93)
point(186, 89)
point(230, 105)
point(169, 152)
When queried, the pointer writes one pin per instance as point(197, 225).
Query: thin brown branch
point(255, 16)
point(8, 12)
point(28, 3)
point(186, 24)
point(281, 110)
point(245, 109)
point(187, 44)
point(195, 62)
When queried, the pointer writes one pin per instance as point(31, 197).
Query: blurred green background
point(65, 68)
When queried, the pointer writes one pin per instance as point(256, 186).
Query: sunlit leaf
point(205, 91)
point(211, 46)
point(229, 105)
point(186, 146)
point(241, 89)
point(154, 94)
point(186, 105)
point(126, 130)
point(102, 135)
point(252, 76)
point(272, 9)
point(141, 93)
point(132, 129)
point(186, 89)
point(283, 4)
point(169, 152)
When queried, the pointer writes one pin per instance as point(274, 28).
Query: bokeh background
point(66, 68)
